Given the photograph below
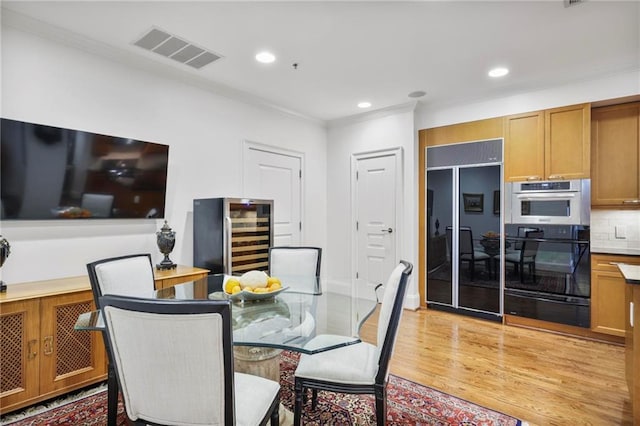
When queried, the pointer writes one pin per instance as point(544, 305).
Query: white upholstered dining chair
point(361, 368)
point(174, 364)
point(128, 275)
point(298, 262)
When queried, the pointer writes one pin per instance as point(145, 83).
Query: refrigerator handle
point(227, 251)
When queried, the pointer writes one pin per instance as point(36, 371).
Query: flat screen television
point(55, 173)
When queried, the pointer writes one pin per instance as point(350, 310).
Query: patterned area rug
point(408, 403)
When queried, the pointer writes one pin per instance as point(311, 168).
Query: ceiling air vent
point(568, 3)
point(170, 46)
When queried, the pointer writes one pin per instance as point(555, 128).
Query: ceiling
point(348, 52)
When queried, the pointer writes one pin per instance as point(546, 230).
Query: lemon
point(275, 286)
point(248, 288)
point(236, 290)
point(230, 284)
point(273, 280)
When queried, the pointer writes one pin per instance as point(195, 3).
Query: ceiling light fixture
point(498, 72)
point(417, 94)
point(265, 57)
point(364, 104)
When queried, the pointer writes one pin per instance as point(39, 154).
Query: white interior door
point(376, 189)
point(275, 176)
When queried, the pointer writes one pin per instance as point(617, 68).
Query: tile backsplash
point(615, 229)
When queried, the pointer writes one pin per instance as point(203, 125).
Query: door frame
point(398, 155)
point(248, 145)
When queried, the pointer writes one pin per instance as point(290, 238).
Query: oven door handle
point(548, 196)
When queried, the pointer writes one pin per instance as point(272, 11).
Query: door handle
point(388, 230)
point(48, 345)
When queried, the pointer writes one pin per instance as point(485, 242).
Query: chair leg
point(314, 399)
point(381, 405)
point(275, 414)
point(297, 410)
point(521, 273)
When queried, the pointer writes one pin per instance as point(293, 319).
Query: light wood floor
point(536, 376)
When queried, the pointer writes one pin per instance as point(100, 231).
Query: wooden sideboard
point(41, 355)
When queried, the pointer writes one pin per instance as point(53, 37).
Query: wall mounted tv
point(54, 173)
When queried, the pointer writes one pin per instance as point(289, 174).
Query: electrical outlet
point(621, 231)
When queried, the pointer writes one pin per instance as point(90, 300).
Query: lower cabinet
point(41, 355)
point(608, 289)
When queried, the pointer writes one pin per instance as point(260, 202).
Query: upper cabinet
point(553, 144)
point(615, 146)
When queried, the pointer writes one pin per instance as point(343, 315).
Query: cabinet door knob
point(533, 178)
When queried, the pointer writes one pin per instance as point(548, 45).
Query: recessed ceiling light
point(498, 72)
point(364, 104)
point(265, 57)
point(417, 94)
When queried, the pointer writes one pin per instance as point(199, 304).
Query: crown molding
point(68, 38)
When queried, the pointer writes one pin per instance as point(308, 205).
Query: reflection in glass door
point(438, 218)
point(478, 251)
point(463, 232)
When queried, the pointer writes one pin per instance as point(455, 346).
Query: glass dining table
point(300, 317)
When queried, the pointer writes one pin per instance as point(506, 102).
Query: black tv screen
point(54, 173)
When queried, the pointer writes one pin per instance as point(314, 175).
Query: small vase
point(166, 239)
point(5, 250)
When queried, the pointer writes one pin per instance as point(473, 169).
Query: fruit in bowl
point(257, 282)
point(491, 234)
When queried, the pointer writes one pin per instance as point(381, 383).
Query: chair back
point(523, 231)
point(530, 248)
point(98, 204)
point(173, 359)
point(295, 262)
point(130, 275)
point(390, 315)
point(466, 241)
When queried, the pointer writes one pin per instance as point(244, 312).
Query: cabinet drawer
point(607, 262)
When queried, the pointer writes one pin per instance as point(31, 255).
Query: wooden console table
point(178, 275)
point(35, 317)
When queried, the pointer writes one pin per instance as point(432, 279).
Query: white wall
point(389, 129)
point(50, 83)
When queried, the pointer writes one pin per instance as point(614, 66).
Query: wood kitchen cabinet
point(615, 153)
point(553, 144)
point(42, 355)
point(608, 290)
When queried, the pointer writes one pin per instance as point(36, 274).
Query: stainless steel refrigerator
point(232, 235)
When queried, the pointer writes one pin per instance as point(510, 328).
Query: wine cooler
point(232, 235)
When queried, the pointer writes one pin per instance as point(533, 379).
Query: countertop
point(631, 273)
point(616, 250)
